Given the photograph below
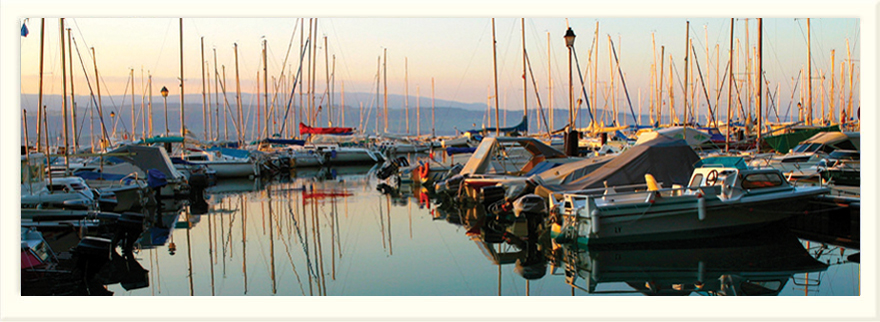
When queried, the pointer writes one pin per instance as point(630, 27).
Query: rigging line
point(293, 88)
point(226, 106)
point(286, 56)
point(543, 115)
point(470, 61)
point(91, 92)
point(583, 85)
point(703, 83)
point(793, 91)
point(623, 81)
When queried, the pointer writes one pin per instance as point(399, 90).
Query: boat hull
point(679, 218)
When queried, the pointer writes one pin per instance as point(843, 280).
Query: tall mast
point(64, 96)
point(40, 129)
point(238, 99)
point(265, 82)
point(433, 133)
point(385, 82)
point(849, 109)
point(314, 115)
point(809, 75)
point(550, 85)
point(133, 124)
point(831, 97)
point(150, 103)
point(204, 94)
point(182, 128)
point(327, 76)
point(525, 85)
point(72, 93)
point(660, 86)
point(302, 32)
point(104, 140)
point(217, 98)
point(495, 62)
point(760, 84)
point(729, 89)
point(210, 123)
point(418, 112)
point(686, 56)
point(406, 86)
point(226, 107)
point(653, 79)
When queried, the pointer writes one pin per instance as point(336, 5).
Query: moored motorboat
point(724, 196)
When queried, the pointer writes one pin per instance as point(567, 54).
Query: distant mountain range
point(451, 117)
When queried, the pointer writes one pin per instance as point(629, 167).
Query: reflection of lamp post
point(571, 137)
point(164, 92)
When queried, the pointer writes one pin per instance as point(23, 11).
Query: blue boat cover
point(156, 178)
point(454, 150)
point(284, 141)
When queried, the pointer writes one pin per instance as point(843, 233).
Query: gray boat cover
point(149, 157)
point(670, 161)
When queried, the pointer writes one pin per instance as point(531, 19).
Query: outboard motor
point(530, 206)
point(130, 225)
point(91, 254)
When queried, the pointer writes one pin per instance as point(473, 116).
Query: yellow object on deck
point(652, 183)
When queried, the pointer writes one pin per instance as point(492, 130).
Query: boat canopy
point(480, 160)
point(722, 162)
point(148, 157)
point(669, 160)
point(828, 142)
point(782, 143)
point(284, 141)
point(693, 136)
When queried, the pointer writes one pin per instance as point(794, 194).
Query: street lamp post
point(571, 137)
point(164, 92)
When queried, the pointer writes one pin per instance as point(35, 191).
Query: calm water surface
point(331, 232)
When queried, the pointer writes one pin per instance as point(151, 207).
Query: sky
point(456, 53)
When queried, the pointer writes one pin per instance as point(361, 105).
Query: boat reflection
point(759, 263)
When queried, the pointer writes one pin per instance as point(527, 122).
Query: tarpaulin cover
point(454, 150)
point(670, 161)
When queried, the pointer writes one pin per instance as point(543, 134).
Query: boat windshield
point(761, 180)
point(807, 147)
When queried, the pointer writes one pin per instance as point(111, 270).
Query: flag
point(24, 30)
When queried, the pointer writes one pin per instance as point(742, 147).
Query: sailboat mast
point(150, 103)
point(105, 139)
point(265, 82)
point(495, 64)
point(204, 94)
point(760, 84)
point(525, 84)
point(385, 86)
point(64, 96)
point(72, 93)
point(182, 128)
point(809, 75)
point(418, 112)
point(433, 133)
point(133, 124)
point(40, 129)
point(729, 89)
point(327, 78)
point(686, 56)
point(549, 84)
point(238, 100)
point(406, 89)
point(660, 86)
